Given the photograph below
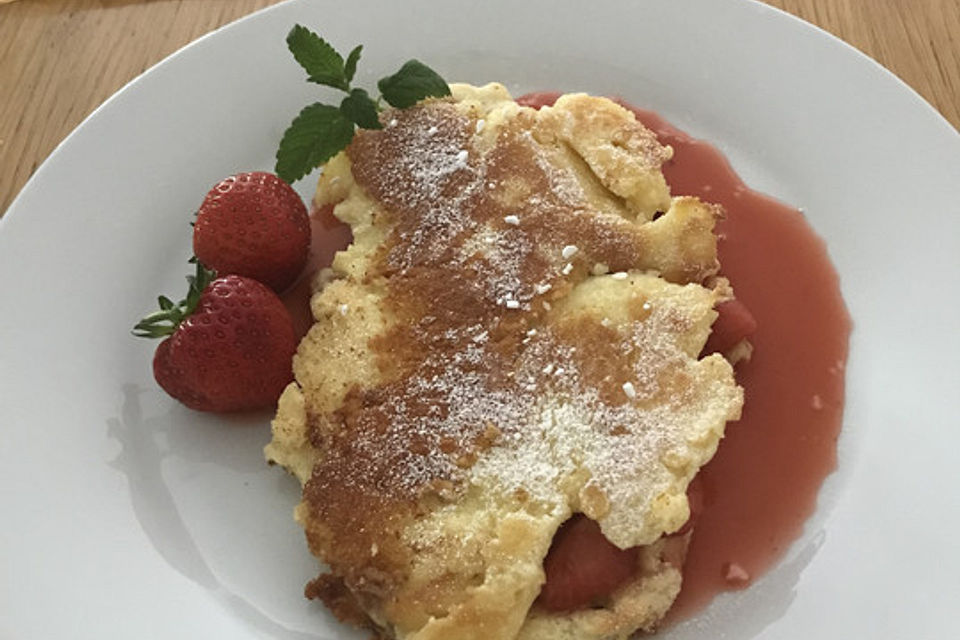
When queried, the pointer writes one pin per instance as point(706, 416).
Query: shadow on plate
point(147, 445)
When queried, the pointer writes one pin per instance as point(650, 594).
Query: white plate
point(128, 516)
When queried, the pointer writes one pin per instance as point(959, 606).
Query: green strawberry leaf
point(165, 321)
point(411, 84)
point(360, 108)
point(198, 283)
point(317, 134)
point(350, 67)
point(321, 61)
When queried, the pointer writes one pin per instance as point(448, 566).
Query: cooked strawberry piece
point(734, 323)
point(583, 567)
point(539, 99)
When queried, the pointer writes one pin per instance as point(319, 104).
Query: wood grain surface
point(59, 59)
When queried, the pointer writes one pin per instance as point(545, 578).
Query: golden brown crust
point(332, 591)
point(511, 338)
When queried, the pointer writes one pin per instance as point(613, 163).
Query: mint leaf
point(317, 134)
point(359, 107)
point(321, 62)
point(351, 65)
point(411, 84)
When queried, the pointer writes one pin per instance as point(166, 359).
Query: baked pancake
point(512, 338)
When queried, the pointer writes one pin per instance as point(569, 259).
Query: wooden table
point(59, 59)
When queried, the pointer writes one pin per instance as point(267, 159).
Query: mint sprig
point(321, 131)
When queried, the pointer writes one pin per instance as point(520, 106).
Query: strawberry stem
point(164, 322)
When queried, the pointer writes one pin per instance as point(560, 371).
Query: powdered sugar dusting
point(461, 418)
point(422, 166)
point(486, 387)
point(504, 254)
point(567, 427)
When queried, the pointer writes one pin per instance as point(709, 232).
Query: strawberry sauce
point(763, 483)
point(329, 235)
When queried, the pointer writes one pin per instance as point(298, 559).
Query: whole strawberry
point(229, 344)
point(254, 225)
